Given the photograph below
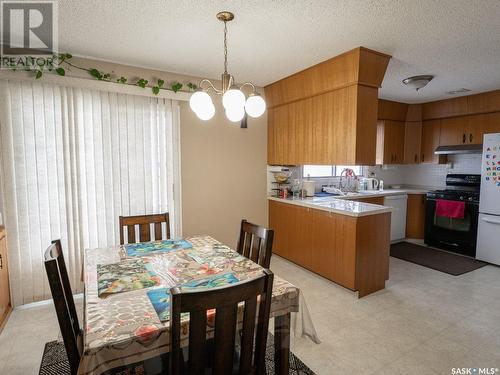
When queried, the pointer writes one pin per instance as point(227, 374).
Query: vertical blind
point(72, 161)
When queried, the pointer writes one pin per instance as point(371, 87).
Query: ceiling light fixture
point(417, 82)
point(459, 91)
point(233, 99)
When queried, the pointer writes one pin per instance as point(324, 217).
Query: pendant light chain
point(225, 47)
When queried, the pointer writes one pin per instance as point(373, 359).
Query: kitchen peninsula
point(345, 241)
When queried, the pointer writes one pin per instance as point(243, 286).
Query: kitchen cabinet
point(483, 124)
point(351, 251)
point(5, 306)
point(415, 216)
point(372, 200)
point(413, 142)
point(454, 131)
point(431, 132)
point(445, 108)
point(327, 114)
point(390, 142)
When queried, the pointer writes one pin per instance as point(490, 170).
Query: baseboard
point(44, 302)
point(5, 318)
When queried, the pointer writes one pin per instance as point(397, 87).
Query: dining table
point(123, 328)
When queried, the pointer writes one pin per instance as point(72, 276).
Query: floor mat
point(55, 362)
point(443, 261)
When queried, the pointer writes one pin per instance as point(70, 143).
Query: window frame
point(334, 168)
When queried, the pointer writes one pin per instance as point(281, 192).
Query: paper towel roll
point(309, 187)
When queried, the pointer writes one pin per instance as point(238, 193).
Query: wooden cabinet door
point(390, 142)
point(413, 140)
point(453, 131)
point(399, 143)
point(482, 124)
point(333, 238)
point(431, 130)
point(292, 232)
point(4, 278)
point(415, 216)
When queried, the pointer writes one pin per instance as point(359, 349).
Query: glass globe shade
point(200, 101)
point(233, 98)
point(235, 114)
point(255, 106)
point(206, 113)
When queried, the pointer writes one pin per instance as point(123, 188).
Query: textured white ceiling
point(458, 41)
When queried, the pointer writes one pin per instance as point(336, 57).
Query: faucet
point(349, 175)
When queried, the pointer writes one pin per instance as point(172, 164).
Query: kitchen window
point(329, 170)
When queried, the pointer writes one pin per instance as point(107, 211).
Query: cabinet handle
point(1, 262)
point(463, 138)
point(470, 137)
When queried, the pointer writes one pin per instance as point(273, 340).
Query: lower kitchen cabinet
point(372, 200)
point(351, 251)
point(415, 216)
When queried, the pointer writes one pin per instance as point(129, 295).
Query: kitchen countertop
point(347, 205)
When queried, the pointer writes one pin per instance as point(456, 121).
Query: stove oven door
point(457, 235)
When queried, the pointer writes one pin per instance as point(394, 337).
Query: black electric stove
point(453, 234)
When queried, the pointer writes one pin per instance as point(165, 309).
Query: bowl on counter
point(281, 176)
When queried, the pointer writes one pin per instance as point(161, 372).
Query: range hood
point(459, 149)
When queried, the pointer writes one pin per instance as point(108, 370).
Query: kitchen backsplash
point(429, 175)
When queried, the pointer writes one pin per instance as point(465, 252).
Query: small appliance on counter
point(488, 248)
point(451, 215)
point(368, 184)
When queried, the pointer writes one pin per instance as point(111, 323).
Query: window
point(329, 170)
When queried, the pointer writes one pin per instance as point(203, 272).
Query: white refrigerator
point(488, 248)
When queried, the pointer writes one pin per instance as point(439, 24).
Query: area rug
point(55, 362)
point(443, 261)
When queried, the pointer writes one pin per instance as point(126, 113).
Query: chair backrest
point(256, 243)
point(64, 303)
point(144, 222)
point(225, 301)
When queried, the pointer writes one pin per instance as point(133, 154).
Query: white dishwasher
point(398, 216)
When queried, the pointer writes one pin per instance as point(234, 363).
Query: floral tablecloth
point(124, 328)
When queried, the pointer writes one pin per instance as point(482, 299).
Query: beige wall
point(223, 167)
point(223, 174)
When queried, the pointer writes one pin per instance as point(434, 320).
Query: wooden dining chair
point(221, 353)
point(64, 304)
point(256, 243)
point(144, 222)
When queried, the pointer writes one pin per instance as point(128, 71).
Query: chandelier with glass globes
point(233, 99)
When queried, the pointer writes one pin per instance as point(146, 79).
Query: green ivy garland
point(62, 59)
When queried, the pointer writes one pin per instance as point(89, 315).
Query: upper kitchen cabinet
point(399, 132)
point(390, 142)
point(431, 132)
point(445, 108)
point(413, 142)
point(327, 114)
point(454, 131)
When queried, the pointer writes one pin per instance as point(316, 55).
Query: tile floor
point(425, 322)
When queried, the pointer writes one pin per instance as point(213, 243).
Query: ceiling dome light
point(206, 113)
point(235, 114)
point(255, 105)
point(233, 98)
point(417, 82)
point(200, 101)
